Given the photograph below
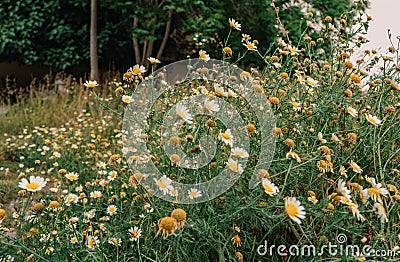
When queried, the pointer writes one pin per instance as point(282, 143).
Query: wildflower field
point(72, 185)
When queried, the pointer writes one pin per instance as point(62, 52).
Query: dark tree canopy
point(56, 33)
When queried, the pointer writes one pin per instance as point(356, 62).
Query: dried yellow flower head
point(62, 172)
point(328, 19)
point(262, 173)
point(114, 158)
point(174, 140)
point(166, 226)
point(326, 150)
point(284, 75)
point(355, 79)
point(281, 92)
point(236, 240)
point(54, 204)
point(274, 100)
point(175, 158)
point(352, 137)
point(2, 214)
point(348, 93)
point(180, 216)
point(239, 256)
point(38, 207)
point(34, 231)
point(22, 193)
point(250, 128)
point(348, 65)
point(227, 50)
point(210, 123)
point(289, 142)
point(390, 110)
point(275, 59)
point(339, 74)
point(277, 132)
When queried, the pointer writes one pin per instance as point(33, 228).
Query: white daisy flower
point(219, 91)
point(294, 209)
point(353, 112)
point(153, 60)
point(226, 137)
point(164, 184)
point(194, 193)
point(239, 152)
point(91, 84)
point(269, 187)
point(112, 210)
point(234, 166)
point(204, 56)
point(134, 233)
point(183, 113)
point(373, 120)
point(211, 106)
point(137, 70)
point(234, 25)
point(127, 99)
point(34, 184)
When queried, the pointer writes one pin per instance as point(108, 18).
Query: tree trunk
point(136, 42)
point(166, 34)
point(94, 63)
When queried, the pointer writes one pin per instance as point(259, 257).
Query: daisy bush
point(335, 169)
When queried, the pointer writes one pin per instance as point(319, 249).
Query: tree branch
point(136, 47)
point(166, 34)
point(146, 42)
point(151, 44)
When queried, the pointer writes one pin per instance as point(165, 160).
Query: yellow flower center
point(374, 191)
point(239, 153)
point(233, 25)
point(91, 242)
point(226, 136)
point(292, 210)
point(180, 113)
point(127, 99)
point(372, 120)
point(72, 177)
point(136, 71)
point(203, 56)
point(134, 233)
point(233, 166)
point(355, 167)
point(219, 92)
point(128, 75)
point(193, 194)
point(268, 188)
point(162, 184)
point(33, 185)
point(250, 46)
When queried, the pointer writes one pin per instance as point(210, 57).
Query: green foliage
point(56, 33)
point(42, 32)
